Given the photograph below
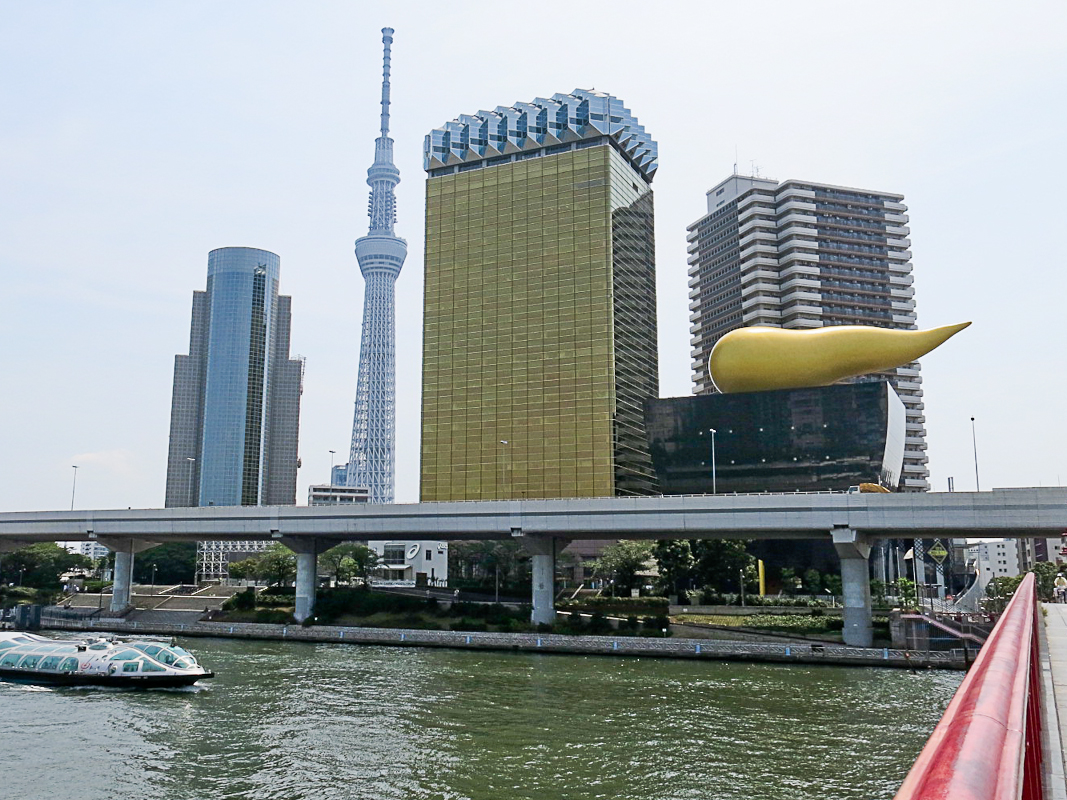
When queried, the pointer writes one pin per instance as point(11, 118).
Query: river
point(293, 721)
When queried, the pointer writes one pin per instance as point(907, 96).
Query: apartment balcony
point(898, 255)
point(902, 305)
point(758, 261)
point(891, 206)
point(904, 319)
point(901, 280)
point(897, 230)
point(796, 205)
point(796, 217)
point(761, 315)
point(915, 442)
point(757, 222)
point(759, 236)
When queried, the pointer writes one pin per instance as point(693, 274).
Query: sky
point(135, 137)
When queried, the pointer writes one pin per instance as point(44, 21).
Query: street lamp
point(714, 487)
point(74, 487)
point(153, 579)
point(974, 442)
point(21, 570)
point(332, 454)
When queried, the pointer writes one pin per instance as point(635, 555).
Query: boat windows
point(167, 657)
point(69, 665)
point(182, 663)
point(50, 662)
point(30, 661)
point(5, 645)
point(150, 649)
point(130, 666)
point(151, 666)
point(125, 655)
point(10, 659)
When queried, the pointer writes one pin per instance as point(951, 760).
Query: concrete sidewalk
point(1054, 678)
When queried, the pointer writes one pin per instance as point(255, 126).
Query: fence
point(987, 745)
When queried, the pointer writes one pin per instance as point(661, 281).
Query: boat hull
point(126, 681)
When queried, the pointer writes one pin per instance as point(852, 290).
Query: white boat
point(98, 661)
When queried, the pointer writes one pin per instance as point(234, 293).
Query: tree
point(40, 565)
point(1045, 572)
point(720, 563)
point(348, 561)
point(675, 560)
point(832, 583)
point(175, 563)
point(277, 565)
point(812, 581)
point(621, 562)
point(906, 593)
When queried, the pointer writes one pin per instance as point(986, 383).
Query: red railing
point(987, 746)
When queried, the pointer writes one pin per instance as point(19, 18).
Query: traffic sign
point(937, 551)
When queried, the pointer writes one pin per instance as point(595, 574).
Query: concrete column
point(120, 588)
point(542, 549)
point(307, 575)
point(854, 551)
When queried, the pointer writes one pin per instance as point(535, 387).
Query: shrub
point(599, 624)
point(242, 601)
point(274, 617)
point(470, 625)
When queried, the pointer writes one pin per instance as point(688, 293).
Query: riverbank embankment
point(532, 642)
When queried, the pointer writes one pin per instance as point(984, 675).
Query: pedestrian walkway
point(1054, 675)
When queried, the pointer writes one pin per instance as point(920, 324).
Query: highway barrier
point(987, 745)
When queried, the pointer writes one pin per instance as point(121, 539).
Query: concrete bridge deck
point(850, 521)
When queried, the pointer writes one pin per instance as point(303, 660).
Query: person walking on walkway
point(1060, 588)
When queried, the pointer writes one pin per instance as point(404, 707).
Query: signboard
point(937, 552)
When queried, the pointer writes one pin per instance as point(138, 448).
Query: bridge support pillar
point(307, 575)
point(855, 551)
point(124, 550)
point(120, 586)
point(542, 550)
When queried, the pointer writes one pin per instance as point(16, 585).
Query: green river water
point(288, 721)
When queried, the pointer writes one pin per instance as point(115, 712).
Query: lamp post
point(74, 486)
point(714, 486)
point(153, 579)
point(332, 454)
point(974, 442)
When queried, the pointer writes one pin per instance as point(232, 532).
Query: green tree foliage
point(674, 557)
point(276, 565)
point(832, 584)
point(40, 565)
point(906, 593)
point(813, 581)
point(621, 562)
point(347, 562)
point(485, 562)
point(175, 563)
point(720, 562)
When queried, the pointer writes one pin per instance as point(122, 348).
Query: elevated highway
point(850, 521)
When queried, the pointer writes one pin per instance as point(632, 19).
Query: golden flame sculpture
point(762, 359)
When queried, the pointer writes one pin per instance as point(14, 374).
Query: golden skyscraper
point(540, 307)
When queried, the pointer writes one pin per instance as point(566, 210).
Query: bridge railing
point(987, 745)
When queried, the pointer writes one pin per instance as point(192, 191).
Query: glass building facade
point(235, 409)
point(832, 437)
point(540, 318)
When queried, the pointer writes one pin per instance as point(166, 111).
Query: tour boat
point(97, 661)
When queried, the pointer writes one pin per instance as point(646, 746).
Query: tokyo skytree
point(381, 255)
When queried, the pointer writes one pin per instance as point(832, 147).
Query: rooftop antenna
point(387, 40)
point(735, 159)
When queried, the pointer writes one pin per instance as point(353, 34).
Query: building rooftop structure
point(543, 127)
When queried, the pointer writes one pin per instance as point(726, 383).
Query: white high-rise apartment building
point(797, 254)
point(998, 559)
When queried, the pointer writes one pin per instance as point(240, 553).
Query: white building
point(414, 563)
point(998, 559)
point(798, 254)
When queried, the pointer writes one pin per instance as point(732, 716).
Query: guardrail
point(987, 745)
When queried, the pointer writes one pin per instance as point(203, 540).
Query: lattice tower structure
point(381, 255)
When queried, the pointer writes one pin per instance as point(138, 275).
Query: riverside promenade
point(1054, 680)
point(640, 646)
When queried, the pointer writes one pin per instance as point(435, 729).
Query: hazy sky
point(137, 136)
